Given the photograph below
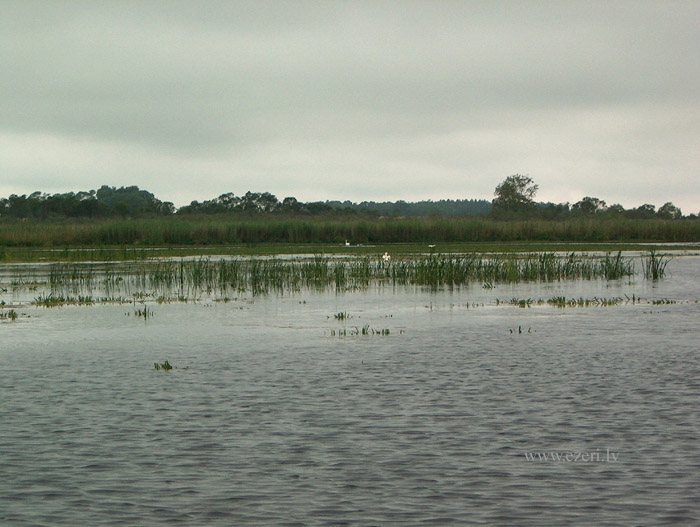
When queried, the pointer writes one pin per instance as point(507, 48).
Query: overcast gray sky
point(360, 100)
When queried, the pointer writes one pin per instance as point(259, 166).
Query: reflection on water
point(471, 410)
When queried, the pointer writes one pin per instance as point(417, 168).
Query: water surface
point(277, 413)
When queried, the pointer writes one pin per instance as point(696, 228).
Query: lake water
point(421, 407)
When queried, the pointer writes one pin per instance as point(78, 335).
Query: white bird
point(386, 258)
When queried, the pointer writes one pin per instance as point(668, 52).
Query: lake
point(482, 404)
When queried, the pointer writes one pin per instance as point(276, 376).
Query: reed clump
point(654, 265)
point(616, 267)
point(11, 315)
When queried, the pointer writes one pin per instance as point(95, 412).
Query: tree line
point(104, 202)
point(514, 199)
point(131, 201)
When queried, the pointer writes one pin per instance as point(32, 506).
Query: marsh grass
point(616, 267)
point(226, 277)
point(11, 315)
point(654, 265)
point(208, 230)
point(143, 282)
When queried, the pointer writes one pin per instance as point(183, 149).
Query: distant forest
point(112, 202)
point(134, 202)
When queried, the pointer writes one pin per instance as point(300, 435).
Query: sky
point(362, 100)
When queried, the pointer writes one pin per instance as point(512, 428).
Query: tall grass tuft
point(654, 265)
point(616, 267)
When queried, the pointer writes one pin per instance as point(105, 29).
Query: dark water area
point(469, 410)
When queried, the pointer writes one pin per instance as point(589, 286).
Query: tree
point(128, 200)
point(646, 211)
point(552, 211)
point(669, 211)
point(515, 195)
point(290, 204)
point(258, 202)
point(589, 205)
point(615, 210)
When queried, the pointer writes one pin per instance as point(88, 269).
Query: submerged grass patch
point(56, 300)
point(364, 331)
point(145, 312)
point(560, 301)
point(164, 280)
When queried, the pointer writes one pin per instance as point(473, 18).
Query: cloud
point(378, 100)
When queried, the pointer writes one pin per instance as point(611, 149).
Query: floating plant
point(163, 366)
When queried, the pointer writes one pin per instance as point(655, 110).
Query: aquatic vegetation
point(615, 267)
point(52, 300)
point(654, 265)
point(521, 302)
point(663, 301)
point(561, 301)
point(520, 330)
point(76, 274)
point(145, 312)
point(163, 366)
point(190, 279)
point(113, 237)
point(9, 315)
point(365, 330)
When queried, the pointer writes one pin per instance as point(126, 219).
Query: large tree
point(515, 195)
point(589, 205)
point(669, 211)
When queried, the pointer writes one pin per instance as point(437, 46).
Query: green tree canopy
point(589, 205)
point(669, 211)
point(515, 195)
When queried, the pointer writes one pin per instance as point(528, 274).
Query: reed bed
point(190, 278)
point(209, 230)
